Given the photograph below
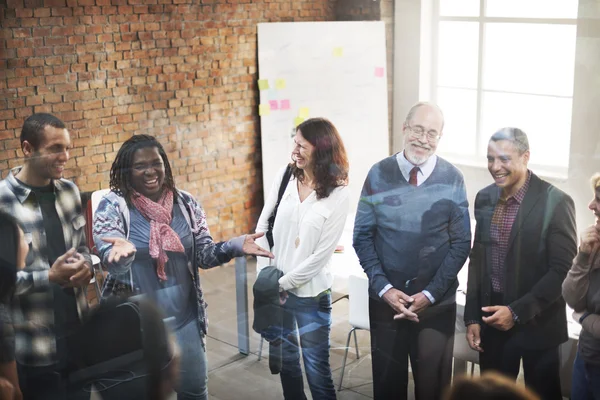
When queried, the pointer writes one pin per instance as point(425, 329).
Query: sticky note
point(303, 113)
point(379, 72)
point(263, 84)
point(264, 109)
point(280, 84)
point(285, 104)
point(298, 121)
point(273, 104)
point(338, 51)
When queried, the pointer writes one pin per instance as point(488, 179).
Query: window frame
point(473, 160)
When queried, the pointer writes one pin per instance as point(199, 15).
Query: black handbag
point(282, 187)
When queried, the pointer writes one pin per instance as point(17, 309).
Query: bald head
point(430, 107)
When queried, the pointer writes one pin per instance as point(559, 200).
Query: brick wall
point(181, 70)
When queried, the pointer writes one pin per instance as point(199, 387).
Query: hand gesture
point(474, 337)
point(398, 301)
point(251, 248)
point(121, 248)
point(65, 267)
point(590, 239)
point(502, 317)
point(82, 271)
point(420, 303)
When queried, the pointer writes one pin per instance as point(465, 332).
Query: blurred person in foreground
point(489, 386)
point(13, 252)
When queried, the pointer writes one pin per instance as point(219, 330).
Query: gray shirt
point(581, 291)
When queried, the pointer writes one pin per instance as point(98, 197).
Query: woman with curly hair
point(310, 220)
point(153, 238)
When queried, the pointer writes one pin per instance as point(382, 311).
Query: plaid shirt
point(503, 219)
point(35, 340)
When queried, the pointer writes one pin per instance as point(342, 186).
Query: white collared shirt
point(425, 169)
point(318, 226)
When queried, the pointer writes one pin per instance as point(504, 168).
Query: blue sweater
point(413, 237)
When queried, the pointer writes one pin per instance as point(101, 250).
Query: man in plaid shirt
point(49, 298)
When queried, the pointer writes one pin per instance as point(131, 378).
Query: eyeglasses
point(417, 132)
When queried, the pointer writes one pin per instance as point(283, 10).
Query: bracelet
point(584, 316)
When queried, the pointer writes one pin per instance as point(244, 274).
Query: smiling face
point(507, 166)
point(48, 160)
point(422, 134)
point(303, 150)
point(148, 172)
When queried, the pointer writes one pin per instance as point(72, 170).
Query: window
point(500, 63)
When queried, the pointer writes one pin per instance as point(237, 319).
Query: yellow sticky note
point(264, 109)
point(280, 84)
point(303, 113)
point(263, 84)
point(298, 121)
point(338, 51)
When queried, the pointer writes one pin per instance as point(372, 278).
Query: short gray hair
point(514, 135)
point(420, 104)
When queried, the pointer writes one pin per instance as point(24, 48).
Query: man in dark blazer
point(525, 241)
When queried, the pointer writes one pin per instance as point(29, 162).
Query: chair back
point(358, 290)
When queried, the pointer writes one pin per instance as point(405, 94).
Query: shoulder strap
point(284, 182)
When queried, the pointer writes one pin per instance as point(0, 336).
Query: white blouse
point(315, 225)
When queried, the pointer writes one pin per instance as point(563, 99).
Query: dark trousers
point(48, 383)
point(502, 353)
point(429, 344)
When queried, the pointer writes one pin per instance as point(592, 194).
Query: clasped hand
point(70, 270)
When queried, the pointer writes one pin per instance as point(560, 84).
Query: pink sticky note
point(285, 104)
point(273, 104)
point(379, 72)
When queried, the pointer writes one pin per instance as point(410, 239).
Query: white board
point(334, 70)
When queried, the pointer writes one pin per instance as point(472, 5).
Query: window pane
point(460, 120)
point(459, 8)
point(532, 8)
point(545, 120)
point(457, 54)
point(529, 58)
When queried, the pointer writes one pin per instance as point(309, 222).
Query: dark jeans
point(586, 380)
point(47, 383)
point(429, 343)
point(310, 318)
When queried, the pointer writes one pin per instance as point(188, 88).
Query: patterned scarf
point(162, 237)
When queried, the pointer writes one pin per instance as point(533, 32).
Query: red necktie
point(413, 176)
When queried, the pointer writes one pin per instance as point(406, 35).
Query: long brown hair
point(329, 159)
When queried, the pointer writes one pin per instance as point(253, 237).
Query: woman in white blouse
point(310, 220)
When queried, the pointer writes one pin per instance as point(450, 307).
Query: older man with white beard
point(412, 236)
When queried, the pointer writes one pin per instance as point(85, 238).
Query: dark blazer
point(542, 245)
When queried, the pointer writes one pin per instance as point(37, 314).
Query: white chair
point(358, 313)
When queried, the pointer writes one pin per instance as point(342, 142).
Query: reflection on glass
point(531, 8)
point(460, 119)
point(459, 8)
point(529, 58)
point(457, 54)
point(545, 120)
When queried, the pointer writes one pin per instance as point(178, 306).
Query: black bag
point(282, 186)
